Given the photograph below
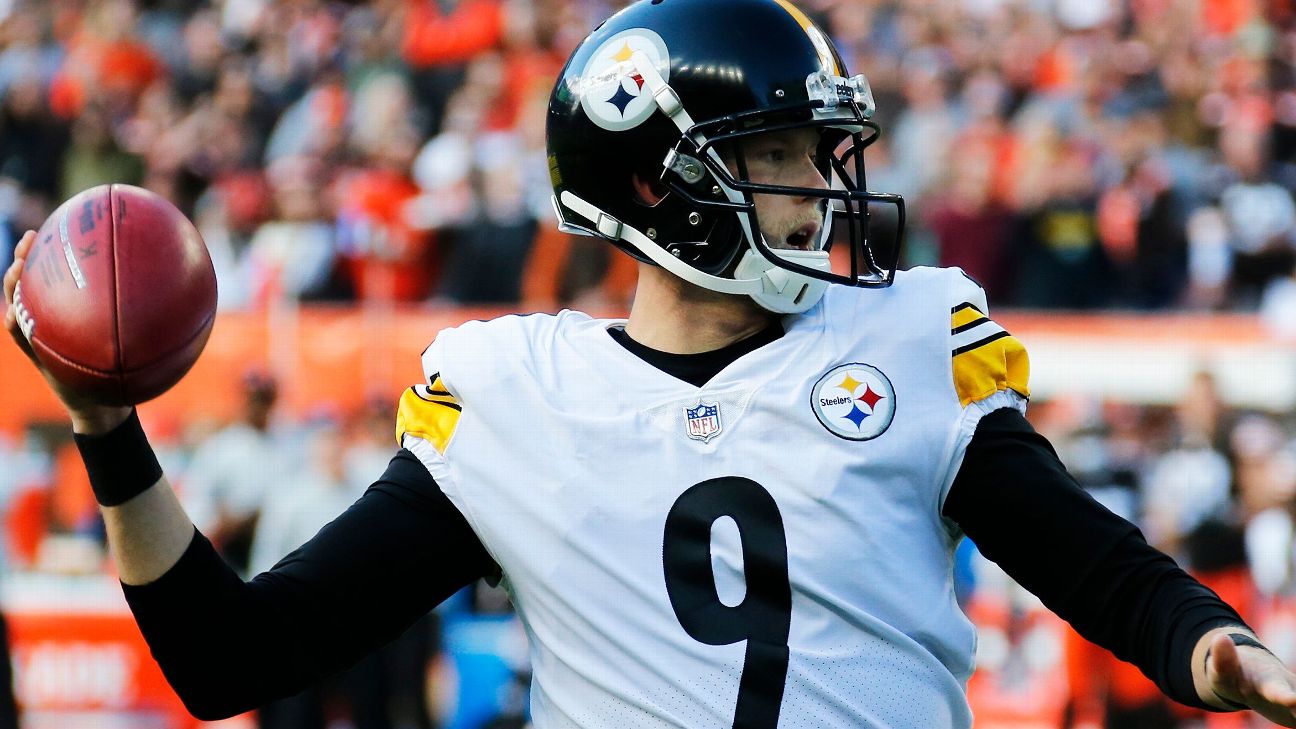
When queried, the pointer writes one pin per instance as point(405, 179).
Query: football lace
point(25, 321)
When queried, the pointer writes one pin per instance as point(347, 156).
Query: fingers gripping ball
point(118, 294)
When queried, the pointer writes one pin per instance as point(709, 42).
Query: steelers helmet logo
point(854, 401)
point(612, 90)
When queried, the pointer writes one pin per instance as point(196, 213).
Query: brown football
point(118, 294)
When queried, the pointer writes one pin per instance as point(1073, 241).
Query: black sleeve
point(1016, 501)
point(227, 646)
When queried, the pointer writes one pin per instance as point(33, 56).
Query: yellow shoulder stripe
point(987, 359)
point(994, 364)
point(964, 314)
point(430, 413)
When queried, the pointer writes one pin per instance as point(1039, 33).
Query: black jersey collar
point(697, 369)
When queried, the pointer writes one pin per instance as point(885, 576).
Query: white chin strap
point(774, 288)
point(783, 291)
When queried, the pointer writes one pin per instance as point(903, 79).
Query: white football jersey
point(766, 550)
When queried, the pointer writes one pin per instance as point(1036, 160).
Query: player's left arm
point(1014, 498)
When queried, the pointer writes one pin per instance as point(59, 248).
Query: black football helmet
point(659, 90)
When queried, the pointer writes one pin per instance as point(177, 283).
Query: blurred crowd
point(1066, 153)
point(389, 151)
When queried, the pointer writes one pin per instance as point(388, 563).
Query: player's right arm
point(225, 645)
point(149, 532)
point(228, 646)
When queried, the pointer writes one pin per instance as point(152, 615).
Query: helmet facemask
point(846, 204)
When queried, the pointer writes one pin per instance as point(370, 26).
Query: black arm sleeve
point(1016, 501)
point(227, 646)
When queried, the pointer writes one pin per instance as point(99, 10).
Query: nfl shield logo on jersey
point(703, 421)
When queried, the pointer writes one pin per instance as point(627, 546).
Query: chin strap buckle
point(605, 226)
point(608, 226)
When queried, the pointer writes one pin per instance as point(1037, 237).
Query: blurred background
point(1118, 174)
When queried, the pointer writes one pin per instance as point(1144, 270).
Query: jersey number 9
point(764, 616)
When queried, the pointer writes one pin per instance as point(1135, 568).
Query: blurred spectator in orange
point(570, 270)
point(439, 39)
point(25, 469)
point(1108, 693)
point(388, 253)
point(105, 62)
point(1018, 683)
point(534, 51)
point(385, 256)
point(436, 36)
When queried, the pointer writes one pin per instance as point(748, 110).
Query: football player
point(739, 506)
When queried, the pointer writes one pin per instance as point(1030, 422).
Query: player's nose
point(807, 175)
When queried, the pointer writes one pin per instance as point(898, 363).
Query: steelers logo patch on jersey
point(854, 401)
point(611, 88)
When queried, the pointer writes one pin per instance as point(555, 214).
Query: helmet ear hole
point(648, 191)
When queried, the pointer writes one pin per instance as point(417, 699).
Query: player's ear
point(647, 190)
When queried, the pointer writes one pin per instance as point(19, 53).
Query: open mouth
point(803, 238)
